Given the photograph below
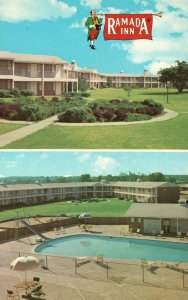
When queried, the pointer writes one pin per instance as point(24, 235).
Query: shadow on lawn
point(163, 93)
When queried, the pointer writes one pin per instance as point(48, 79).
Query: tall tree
point(157, 177)
point(177, 75)
point(83, 85)
point(85, 178)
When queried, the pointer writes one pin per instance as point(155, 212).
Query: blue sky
point(56, 27)
point(72, 163)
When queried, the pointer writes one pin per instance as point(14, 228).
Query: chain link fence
point(167, 275)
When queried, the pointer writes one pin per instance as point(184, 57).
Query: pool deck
point(124, 281)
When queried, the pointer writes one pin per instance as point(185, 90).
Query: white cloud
point(170, 42)
point(79, 25)
point(84, 157)
point(104, 164)
point(2, 176)
point(154, 67)
point(11, 164)
point(112, 10)
point(93, 4)
point(180, 5)
point(34, 10)
point(143, 2)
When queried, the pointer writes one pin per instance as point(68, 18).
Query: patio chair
point(36, 279)
point(12, 295)
point(179, 234)
point(98, 259)
point(138, 231)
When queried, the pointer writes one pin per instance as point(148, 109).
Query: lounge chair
point(138, 230)
point(12, 295)
point(161, 233)
point(98, 259)
point(179, 234)
point(36, 279)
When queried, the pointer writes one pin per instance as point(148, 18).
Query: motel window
point(132, 220)
point(139, 220)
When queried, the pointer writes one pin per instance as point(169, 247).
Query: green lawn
point(171, 134)
point(5, 127)
point(104, 208)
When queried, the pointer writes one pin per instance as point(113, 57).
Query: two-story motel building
point(144, 192)
point(50, 75)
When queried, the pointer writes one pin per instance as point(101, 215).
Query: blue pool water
point(115, 247)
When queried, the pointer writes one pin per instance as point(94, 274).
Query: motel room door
point(152, 226)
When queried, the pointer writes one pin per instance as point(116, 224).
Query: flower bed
point(75, 109)
point(111, 111)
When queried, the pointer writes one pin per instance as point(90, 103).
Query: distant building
point(20, 194)
point(52, 76)
point(154, 218)
point(150, 192)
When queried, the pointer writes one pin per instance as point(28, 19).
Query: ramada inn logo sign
point(120, 26)
point(128, 27)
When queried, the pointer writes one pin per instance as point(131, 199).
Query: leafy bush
point(121, 114)
point(4, 93)
point(15, 92)
point(55, 99)
point(9, 111)
point(137, 117)
point(109, 114)
point(115, 101)
point(68, 98)
point(150, 102)
point(153, 111)
point(84, 94)
point(27, 93)
point(75, 115)
point(97, 113)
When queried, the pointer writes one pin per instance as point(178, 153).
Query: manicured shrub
point(115, 101)
point(68, 98)
point(15, 92)
point(153, 111)
point(141, 110)
point(109, 114)
point(9, 111)
point(150, 102)
point(55, 99)
point(26, 93)
point(121, 114)
point(75, 115)
point(97, 113)
point(4, 93)
point(84, 94)
point(137, 117)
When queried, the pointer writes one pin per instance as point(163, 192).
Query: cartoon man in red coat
point(93, 23)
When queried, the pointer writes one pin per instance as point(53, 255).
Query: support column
point(67, 87)
point(72, 86)
point(13, 71)
point(42, 85)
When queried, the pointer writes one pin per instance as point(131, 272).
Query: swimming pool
point(115, 247)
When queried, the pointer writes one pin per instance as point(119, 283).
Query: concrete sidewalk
point(18, 134)
point(168, 114)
